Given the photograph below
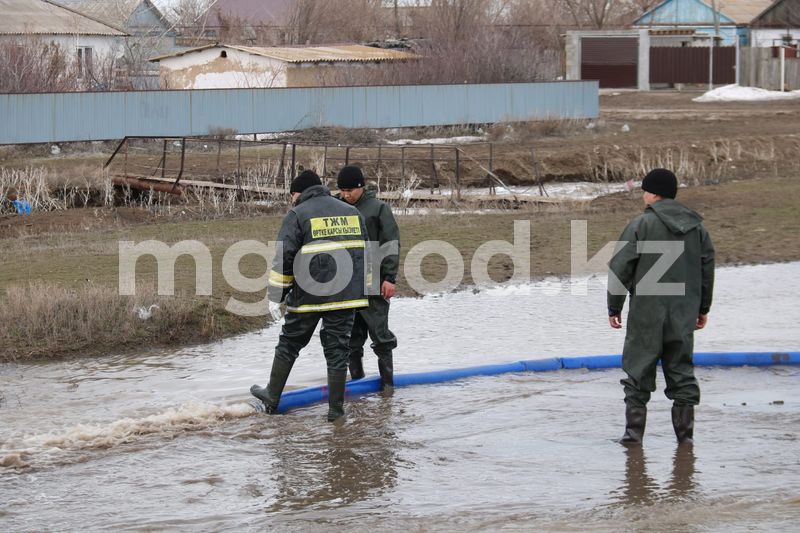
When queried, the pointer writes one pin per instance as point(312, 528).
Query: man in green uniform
point(384, 236)
point(665, 261)
point(319, 271)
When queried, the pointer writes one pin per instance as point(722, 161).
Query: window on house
point(84, 62)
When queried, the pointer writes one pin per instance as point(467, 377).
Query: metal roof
point(42, 17)
point(742, 11)
point(115, 12)
point(309, 54)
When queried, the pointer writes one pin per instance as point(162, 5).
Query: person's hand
point(615, 321)
point(387, 289)
point(275, 311)
point(702, 320)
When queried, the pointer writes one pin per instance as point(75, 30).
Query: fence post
point(347, 156)
point(403, 167)
point(433, 170)
point(293, 170)
point(458, 175)
point(325, 161)
point(378, 170)
point(164, 160)
point(239, 165)
point(281, 166)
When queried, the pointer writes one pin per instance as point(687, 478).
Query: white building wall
point(206, 69)
point(760, 38)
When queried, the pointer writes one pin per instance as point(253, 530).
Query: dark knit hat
point(304, 180)
point(350, 177)
point(662, 182)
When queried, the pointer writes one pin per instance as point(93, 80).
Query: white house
point(778, 24)
point(90, 40)
point(218, 66)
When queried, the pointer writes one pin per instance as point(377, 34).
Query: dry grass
point(40, 319)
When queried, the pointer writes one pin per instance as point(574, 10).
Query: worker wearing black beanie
point(664, 265)
point(662, 182)
point(304, 180)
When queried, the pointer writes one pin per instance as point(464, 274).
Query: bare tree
point(190, 17)
point(29, 65)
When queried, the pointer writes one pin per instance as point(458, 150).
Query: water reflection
point(335, 464)
point(681, 485)
point(640, 489)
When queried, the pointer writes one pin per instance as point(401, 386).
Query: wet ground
point(168, 441)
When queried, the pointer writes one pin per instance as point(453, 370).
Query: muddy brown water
point(167, 441)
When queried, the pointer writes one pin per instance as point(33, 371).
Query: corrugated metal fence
point(63, 117)
point(669, 64)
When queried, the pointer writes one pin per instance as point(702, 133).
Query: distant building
point(88, 40)
point(150, 33)
point(218, 66)
point(734, 19)
point(778, 24)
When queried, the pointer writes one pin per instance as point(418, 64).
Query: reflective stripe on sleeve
point(276, 279)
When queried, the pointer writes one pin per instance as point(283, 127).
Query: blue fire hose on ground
point(311, 395)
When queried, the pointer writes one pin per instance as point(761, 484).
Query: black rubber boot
point(683, 422)
point(635, 419)
point(271, 394)
point(386, 369)
point(336, 385)
point(357, 365)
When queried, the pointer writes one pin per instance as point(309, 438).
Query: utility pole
point(711, 45)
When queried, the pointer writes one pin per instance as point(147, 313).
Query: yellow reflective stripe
point(329, 306)
point(328, 246)
point(276, 279)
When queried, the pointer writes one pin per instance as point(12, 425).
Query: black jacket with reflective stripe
point(381, 228)
point(319, 264)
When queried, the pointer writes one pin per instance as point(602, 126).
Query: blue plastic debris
point(22, 207)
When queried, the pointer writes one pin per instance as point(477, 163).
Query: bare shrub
point(30, 65)
point(38, 319)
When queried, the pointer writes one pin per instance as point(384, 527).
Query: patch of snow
point(736, 93)
point(55, 150)
point(441, 140)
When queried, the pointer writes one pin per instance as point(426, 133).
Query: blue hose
point(311, 395)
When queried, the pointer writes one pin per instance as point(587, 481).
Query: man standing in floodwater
point(665, 261)
point(319, 270)
point(374, 320)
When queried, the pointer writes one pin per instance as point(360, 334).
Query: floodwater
point(168, 440)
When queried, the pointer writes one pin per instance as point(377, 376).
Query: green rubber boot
point(386, 370)
point(635, 420)
point(271, 394)
point(683, 423)
point(336, 385)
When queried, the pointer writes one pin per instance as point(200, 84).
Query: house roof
point(739, 12)
point(42, 17)
point(255, 12)
point(308, 54)
point(115, 12)
point(742, 11)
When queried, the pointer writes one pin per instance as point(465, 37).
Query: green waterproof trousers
point(652, 337)
point(372, 321)
point(334, 335)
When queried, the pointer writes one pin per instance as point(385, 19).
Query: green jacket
point(381, 228)
point(665, 227)
point(314, 231)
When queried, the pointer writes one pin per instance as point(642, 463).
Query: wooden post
point(325, 161)
point(379, 159)
point(127, 142)
point(491, 169)
point(347, 156)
